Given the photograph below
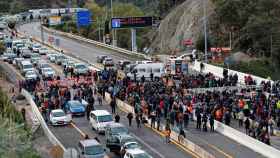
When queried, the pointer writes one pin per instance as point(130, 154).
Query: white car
point(108, 62)
point(51, 57)
point(129, 146)
point(81, 69)
point(35, 48)
point(31, 75)
point(58, 117)
point(99, 119)
point(43, 51)
point(47, 72)
point(136, 153)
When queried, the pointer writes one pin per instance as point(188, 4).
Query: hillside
point(182, 23)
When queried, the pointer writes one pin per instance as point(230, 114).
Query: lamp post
point(205, 30)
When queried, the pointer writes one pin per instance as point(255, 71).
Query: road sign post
point(133, 40)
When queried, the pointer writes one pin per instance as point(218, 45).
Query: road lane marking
point(147, 145)
point(215, 148)
point(175, 142)
point(79, 130)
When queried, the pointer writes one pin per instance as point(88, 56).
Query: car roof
point(111, 125)
point(57, 110)
point(135, 151)
point(100, 112)
point(89, 142)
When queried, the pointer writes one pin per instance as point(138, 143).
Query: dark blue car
point(75, 107)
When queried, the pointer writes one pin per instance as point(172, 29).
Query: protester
point(129, 117)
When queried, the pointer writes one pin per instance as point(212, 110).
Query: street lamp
point(205, 30)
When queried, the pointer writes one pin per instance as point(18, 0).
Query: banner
point(54, 20)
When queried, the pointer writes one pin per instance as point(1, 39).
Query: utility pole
point(230, 36)
point(205, 30)
point(271, 46)
point(42, 32)
point(112, 15)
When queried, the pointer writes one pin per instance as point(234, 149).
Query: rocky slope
point(183, 22)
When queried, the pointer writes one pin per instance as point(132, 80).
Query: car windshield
point(48, 70)
point(27, 66)
point(80, 66)
point(109, 59)
point(59, 114)
point(29, 73)
point(37, 46)
point(44, 49)
point(118, 130)
point(142, 155)
point(75, 104)
point(127, 139)
point(35, 56)
point(132, 145)
point(94, 150)
point(45, 66)
point(105, 118)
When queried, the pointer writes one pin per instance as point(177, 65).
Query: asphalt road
point(215, 143)
point(82, 49)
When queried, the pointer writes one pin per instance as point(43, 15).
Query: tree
point(2, 48)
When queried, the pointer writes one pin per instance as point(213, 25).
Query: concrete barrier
point(246, 140)
point(218, 71)
point(40, 118)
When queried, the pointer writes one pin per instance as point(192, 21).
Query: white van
point(99, 119)
point(16, 44)
point(145, 70)
point(26, 66)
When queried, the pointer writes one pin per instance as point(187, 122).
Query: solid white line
point(147, 145)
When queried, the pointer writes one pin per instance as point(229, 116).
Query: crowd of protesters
point(169, 101)
point(164, 99)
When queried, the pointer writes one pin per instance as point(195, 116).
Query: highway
point(215, 143)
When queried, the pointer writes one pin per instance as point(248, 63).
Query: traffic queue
point(60, 97)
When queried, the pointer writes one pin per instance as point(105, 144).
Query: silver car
point(91, 148)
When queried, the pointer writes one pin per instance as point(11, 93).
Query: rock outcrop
point(182, 23)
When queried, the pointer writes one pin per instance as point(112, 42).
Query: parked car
point(17, 62)
point(99, 119)
point(31, 75)
point(100, 58)
point(123, 63)
point(75, 108)
point(129, 146)
point(7, 56)
point(65, 61)
point(43, 51)
point(70, 64)
point(59, 58)
point(26, 53)
point(91, 148)
point(41, 65)
point(35, 58)
point(108, 62)
point(47, 73)
point(81, 69)
point(58, 117)
point(36, 47)
point(136, 153)
point(117, 141)
point(11, 58)
point(51, 57)
point(25, 66)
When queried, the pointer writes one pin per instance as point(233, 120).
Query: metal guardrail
point(118, 49)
